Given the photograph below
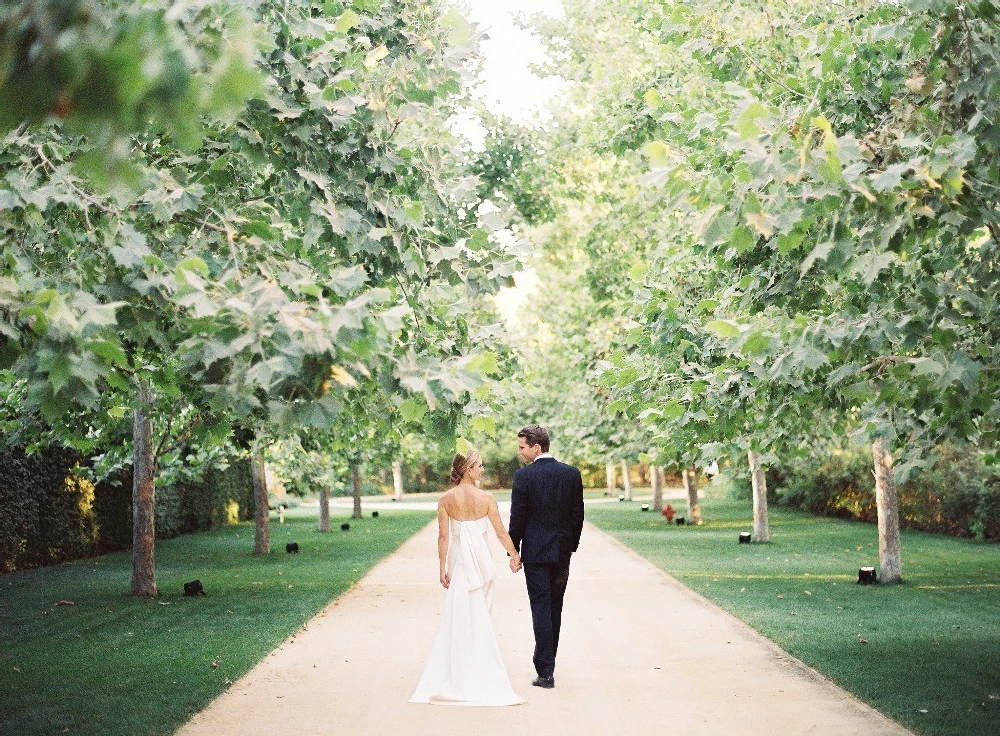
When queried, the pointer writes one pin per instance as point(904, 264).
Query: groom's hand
point(515, 564)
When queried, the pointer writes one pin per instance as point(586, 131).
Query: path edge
point(804, 669)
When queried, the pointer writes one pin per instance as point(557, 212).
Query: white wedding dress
point(464, 666)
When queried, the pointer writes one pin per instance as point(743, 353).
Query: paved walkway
point(639, 654)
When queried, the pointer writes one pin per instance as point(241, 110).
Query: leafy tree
point(322, 237)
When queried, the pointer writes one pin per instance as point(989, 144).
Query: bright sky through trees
point(510, 88)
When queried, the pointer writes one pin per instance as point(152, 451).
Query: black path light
point(867, 576)
point(744, 537)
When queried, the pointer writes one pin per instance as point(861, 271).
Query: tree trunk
point(656, 476)
point(626, 481)
point(356, 488)
point(324, 509)
point(262, 526)
point(761, 530)
point(890, 562)
point(397, 480)
point(143, 488)
point(610, 471)
point(691, 486)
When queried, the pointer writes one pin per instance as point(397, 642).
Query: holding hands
point(515, 562)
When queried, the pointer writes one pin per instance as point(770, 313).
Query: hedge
point(46, 513)
point(960, 495)
point(49, 514)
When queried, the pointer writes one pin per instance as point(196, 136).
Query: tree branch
point(778, 82)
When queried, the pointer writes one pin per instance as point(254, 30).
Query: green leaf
point(110, 352)
point(347, 21)
point(811, 358)
point(413, 409)
point(195, 265)
point(657, 152)
point(62, 323)
point(743, 239)
point(872, 264)
point(673, 410)
point(890, 178)
point(723, 328)
point(927, 367)
point(478, 241)
point(459, 30)
point(818, 253)
point(756, 343)
point(485, 364)
point(860, 392)
point(415, 213)
point(485, 424)
point(746, 123)
point(57, 366)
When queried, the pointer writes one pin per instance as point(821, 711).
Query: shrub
point(113, 508)
point(46, 512)
point(958, 495)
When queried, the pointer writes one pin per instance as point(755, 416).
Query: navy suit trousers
point(546, 589)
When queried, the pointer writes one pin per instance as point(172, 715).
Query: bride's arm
point(443, 534)
point(503, 536)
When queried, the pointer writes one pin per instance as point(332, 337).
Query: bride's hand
point(445, 580)
point(515, 563)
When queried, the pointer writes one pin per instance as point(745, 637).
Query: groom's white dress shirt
point(544, 454)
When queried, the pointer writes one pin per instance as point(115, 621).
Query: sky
point(509, 87)
point(508, 83)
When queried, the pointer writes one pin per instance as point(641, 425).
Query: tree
point(826, 192)
point(319, 233)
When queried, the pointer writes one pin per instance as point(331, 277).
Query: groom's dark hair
point(535, 435)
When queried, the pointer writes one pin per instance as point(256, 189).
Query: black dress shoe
point(546, 682)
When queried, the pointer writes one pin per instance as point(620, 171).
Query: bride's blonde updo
point(461, 463)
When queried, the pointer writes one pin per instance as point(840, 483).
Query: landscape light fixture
point(645, 507)
point(866, 576)
point(744, 537)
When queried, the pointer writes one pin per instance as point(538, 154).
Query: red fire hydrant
point(668, 513)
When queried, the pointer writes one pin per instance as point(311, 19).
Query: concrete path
point(639, 654)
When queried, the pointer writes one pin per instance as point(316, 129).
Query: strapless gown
point(464, 666)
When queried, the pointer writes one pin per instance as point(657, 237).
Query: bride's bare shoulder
point(448, 498)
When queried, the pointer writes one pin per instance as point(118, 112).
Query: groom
point(546, 518)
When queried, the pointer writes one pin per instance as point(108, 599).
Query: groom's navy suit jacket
point(546, 511)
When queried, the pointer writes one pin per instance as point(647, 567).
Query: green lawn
point(114, 664)
point(931, 644)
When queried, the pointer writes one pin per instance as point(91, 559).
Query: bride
point(464, 666)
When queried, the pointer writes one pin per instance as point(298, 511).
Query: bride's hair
point(461, 463)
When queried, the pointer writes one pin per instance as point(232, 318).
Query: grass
point(926, 652)
point(113, 664)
